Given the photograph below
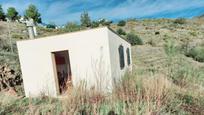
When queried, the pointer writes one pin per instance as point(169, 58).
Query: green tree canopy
point(2, 14)
point(12, 14)
point(32, 12)
point(85, 19)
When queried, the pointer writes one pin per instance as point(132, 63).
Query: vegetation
point(134, 39)
point(51, 25)
point(32, 12)
point(180, 21)
point(71, 27)
point(105, 22)
point(12, 14)
point(4, 45)
point(2, 14)
point(121, 31)
point(164, 80)
point(121, 23)
point(197, 53)
point(95, 24)
point(85, 19)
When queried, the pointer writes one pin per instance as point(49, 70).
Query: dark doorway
point(62, 69)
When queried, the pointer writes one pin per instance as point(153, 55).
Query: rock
point(8, 78)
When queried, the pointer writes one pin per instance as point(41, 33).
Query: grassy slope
point(163, 81)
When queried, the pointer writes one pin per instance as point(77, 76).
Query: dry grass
point(164, 81)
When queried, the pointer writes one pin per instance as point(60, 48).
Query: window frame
point(128, 56)
point(121, 56)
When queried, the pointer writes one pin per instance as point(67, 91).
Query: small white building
point(96, 57)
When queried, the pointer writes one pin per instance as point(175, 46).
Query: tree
point(2, 14)
point(32, 12)
point(85, 19)
point(71, 27)
point(121, 23)
point(12, 14)
point(95, 24)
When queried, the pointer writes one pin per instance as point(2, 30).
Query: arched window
point(128, 55)
point(121, 56)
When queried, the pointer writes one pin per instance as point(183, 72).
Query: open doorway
point(62, 70)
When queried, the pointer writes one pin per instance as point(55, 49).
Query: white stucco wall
point(89, 59)
point(114, 42)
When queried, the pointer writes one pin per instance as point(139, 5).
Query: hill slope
point(164, 79)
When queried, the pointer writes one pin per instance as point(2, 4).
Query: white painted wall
point(114, 42)
point(91, 55)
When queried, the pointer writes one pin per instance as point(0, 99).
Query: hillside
point(167, 77)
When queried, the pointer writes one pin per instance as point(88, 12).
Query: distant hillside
point(201, 16)
point(167, 77)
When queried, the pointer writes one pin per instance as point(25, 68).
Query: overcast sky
point(62, 11)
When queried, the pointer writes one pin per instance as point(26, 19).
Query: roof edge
point(103, 27)
point(117, 34)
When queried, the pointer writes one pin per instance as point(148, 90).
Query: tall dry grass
point(132, 95)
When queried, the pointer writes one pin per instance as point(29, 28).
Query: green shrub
point(71, 27)
point(121, 23)
point(121, 31)
point(157, 33)
point(134, 39)
point(95, 24)
point(4, 45)
point(197, 53)
point(52, 26)
point(193, 33)
point(180, 21)
point(170, 48)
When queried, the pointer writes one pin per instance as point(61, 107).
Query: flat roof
point(85, 30)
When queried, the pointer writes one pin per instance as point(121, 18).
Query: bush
point(71, 27)
point(134, 39)
point(95, 24)
point(121, 31)
point(157, 33)
point(180, 21)
point(4, 45)
point(193, 33)
point(121, 23)
point(197, 53)
point(52, 26)
point(170, 48)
